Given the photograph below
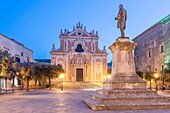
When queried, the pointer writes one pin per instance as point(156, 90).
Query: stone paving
point(56, 101)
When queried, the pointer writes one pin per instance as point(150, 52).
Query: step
point(126, 92)
point(94, 105)
point(129, 98)
point(77, 85)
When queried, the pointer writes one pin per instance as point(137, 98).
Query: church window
point(93, 47)
point(79, 48)
point(79, 33)
point(65, 45)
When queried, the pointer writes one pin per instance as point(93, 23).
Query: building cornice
point(58, 53)
point(164, 20)
point(99, 54)
point(15, 42)
point(82, 37)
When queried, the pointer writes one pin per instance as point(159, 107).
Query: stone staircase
point(126, 100)
point(79, 85)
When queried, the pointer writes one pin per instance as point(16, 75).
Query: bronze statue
point(121, 17)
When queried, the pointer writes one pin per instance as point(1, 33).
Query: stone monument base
point(127, 100)
point(124, 82)
point(125, 90)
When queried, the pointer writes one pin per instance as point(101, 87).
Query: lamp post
point(61, 77)
point(156, 76)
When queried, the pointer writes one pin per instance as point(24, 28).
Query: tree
point(42, 71)
point(163, 77)
point(26, 73)
point(13, 74)
point(167, 71)
point(6, 67)
point(54, 71)
point(149, 76)
point(36, 73)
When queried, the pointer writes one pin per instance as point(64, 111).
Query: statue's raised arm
point(121, 17)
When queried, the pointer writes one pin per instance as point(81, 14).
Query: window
point(79, 48)
point(149, 68)
point(162, 48)
point(149, 53)
point(28, 59)
point(6, 51)
point(137, 59)
point(93, 47)
point(17, 59)
point(65, 45)
point(22, 54)
point(162, 67)
point(19, 81)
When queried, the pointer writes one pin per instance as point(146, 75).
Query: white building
point(21, 53)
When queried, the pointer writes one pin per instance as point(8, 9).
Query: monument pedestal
point(125, 90)
point(123, 69)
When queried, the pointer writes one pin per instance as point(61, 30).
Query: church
point(80, 55)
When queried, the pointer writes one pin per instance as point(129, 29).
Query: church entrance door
point(79, 74)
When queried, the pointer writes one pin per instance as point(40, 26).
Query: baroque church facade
point(80, 56)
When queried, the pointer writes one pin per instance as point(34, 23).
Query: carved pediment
point(79, 32)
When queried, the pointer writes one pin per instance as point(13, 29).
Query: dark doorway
point(79, 74)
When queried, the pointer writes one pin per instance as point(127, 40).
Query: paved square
point(55, 101)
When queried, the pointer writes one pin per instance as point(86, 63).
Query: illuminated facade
point(19, 51)
point(153, 49)
point(80, 56)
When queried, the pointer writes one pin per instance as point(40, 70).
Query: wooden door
point(79, 74)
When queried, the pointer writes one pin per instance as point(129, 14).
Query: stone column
point(123, 67)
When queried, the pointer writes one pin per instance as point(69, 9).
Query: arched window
point(79, 48)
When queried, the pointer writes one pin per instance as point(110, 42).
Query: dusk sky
point(37, 23)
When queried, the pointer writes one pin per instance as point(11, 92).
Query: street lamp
point(156, 76)
point(109, 76)
point(104, 78)
point(61, 77)
point(17, 73)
